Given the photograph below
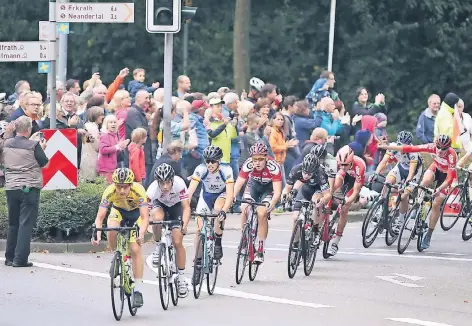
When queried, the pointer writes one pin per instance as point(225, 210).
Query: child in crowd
point(136, 154)
point(135, 85)
point(317, 92)
point(109, 147)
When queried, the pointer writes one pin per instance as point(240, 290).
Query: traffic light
point(163, 16)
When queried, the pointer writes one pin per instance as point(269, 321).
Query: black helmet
point(319, 150)
point(443, 142)
point(310, 163)
point(405, 137)
point(164, 172)
point(212, 153)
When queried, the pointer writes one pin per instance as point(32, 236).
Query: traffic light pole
point(52, 71)
point(185, 48)
point(168, 54)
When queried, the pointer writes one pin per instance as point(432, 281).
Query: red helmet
point(443, 142)
point(345, 155)
point(259, 148)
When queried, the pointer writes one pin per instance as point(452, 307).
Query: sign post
point(52, 69)
point(168, 58)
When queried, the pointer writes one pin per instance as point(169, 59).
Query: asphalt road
point(374, 286)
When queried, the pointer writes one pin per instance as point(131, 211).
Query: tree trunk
point(241, 45)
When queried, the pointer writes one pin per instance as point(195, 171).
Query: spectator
point(222, 91)
point(304, 125)
point(230, 109)
point(159, 96)
point(136, 154)
point(445, 123)
point(255, 85)
point(121, 102)
point(319, 136)
point(22, 86)
point(183, 86)
point(73, 86)
point(220, 130)
point(195, 156)
point(369, 123)
point(278, 141)
point(331, 81)
point(137, 118)
point(109, 147)
point(245, 108)
point(139, 74)
point(172, 157)
point(91, 144)
point(363, 107)
point(425, 126)
point(330, 118)
point(380, 133)
point(359, 145)
point(318, 91)
point(24, 159)
point(31, 106)
point(269, 92)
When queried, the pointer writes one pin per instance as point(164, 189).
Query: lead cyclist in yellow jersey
point(129, 207)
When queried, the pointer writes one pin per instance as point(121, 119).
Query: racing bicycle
point(247, 244)
point(120, 269)
point(204, 263)
point(329, 226)
point(167, 268)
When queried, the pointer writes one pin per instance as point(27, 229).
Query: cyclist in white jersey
point(409, 167)
point(216, 196)
point(170, 201)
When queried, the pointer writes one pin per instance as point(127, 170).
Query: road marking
point(417, 322)
point(280, 230)
point(218, 290)
point(393, 279)
point(429, 252)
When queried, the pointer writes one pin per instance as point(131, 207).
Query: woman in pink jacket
point(109, 147)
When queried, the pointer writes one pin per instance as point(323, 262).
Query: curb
point(86, 247)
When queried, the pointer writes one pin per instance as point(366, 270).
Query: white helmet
point(256, 83)
point(3, 127)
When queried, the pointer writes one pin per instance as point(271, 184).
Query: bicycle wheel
point(212, 276)
point(454, 201)
point(331, 231)
point(116, 274)
point(295, 249)
point(173, 285)
point(310, 251)
point(132, 310)
point(467, 229)
point(243, 252)
point(198, 267)
point(392, 235)
point(407, 232)
point(374, 218)
point(253, 267)
point(163, 276)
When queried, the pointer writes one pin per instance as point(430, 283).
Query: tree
point(241, 44)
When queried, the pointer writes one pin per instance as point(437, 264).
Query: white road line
point(218, 290)
point(279, 230)
point(410, 277)
point(417, 322)
point(429, 252)
point(392, 279)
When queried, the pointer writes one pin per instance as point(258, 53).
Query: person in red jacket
point(442, 170)
point(136, 154)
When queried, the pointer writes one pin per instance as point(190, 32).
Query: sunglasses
point(211, 161)
point(258, 159)
point(345, 164)
point(441, 149)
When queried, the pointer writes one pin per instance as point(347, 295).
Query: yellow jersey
point(136, 198)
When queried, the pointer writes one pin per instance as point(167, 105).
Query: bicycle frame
point(253, 222)
point(166, 239)
point(327, 212)
point(207, 231)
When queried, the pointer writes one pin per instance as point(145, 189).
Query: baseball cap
point(197, 104)
point(216, 101)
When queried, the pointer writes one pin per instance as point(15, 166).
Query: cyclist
point(351, 174)
point(264, 185)
point(170, 201)
point(442, 170)
point(129, 207)
point(313, 181)
point(217, 190)
point(327, 161)
point(409, 167)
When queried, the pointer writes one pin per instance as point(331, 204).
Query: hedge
point(64, 215)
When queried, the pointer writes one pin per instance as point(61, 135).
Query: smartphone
point(41, 136)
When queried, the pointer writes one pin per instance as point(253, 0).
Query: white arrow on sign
point(393, 279)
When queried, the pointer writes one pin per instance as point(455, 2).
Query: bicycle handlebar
point(120, 229)
point(206, 216)
point(171, 223)
point(463, 169)
point(250, 202)
point(429, 190)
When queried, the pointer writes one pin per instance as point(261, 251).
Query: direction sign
point(87, 12)
point(46, 31)
point(27, 51)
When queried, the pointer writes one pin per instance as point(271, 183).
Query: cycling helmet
point(405, 137)
point(319, 150)
point(345, 155)
point(256, 83)
point(123, 176)
point(3, 127)
point(443, 142)
point(212, 153)
point(259, 148)
point(310, 163)
point(164, 172)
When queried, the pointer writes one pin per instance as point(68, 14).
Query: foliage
point(406, 50)
point(64, 215)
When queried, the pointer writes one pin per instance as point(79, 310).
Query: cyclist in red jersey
point(442, 170)
point(264, 176)
point(351, 173)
